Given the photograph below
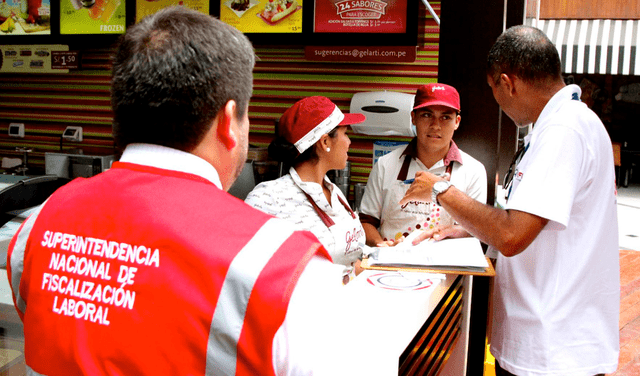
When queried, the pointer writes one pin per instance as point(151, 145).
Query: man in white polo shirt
point(557, 288)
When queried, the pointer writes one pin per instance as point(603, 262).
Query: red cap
point(437, 94)
point(308, 119)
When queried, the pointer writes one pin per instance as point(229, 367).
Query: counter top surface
point(391, 318)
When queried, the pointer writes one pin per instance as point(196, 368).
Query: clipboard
point(448, 256)
point(482, 272)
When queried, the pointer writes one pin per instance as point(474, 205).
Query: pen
point(410, 181)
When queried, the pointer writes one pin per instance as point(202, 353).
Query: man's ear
point(226, 131)
point(509, 82)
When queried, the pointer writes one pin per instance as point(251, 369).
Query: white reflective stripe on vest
point(229, 314)
point(17, 258)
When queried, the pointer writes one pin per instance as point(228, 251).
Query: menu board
point(360, 16)
point(30, 58)
point(148, 7)
point(263, 16)
point(25, 17)
point(92, 17)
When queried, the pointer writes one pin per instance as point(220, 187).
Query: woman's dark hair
point(284, 151)
point(172, 74)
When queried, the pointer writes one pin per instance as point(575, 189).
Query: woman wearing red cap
point(313, 140)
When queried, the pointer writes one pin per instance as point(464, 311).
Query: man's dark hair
point(525, 52)
point(172, 73)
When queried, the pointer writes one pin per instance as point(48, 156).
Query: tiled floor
point(11, 342)
point(629, 218)
point(629, 361)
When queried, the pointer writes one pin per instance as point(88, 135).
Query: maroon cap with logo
point(437, 94)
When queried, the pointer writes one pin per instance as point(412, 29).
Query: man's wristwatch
point(440, 186)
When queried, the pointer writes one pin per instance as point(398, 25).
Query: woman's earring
point(328, 150)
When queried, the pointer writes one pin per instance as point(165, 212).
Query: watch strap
point(435, 192)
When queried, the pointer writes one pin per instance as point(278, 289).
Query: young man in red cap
point(436, 116)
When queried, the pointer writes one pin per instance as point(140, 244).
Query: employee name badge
point(381, 148)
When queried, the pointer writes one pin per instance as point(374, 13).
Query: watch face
point(441, 185)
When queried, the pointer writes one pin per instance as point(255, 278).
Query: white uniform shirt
point(285, 198)
point(314, 323)
point(381, 201)
point(556, 304)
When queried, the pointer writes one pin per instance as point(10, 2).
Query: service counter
point(417, 323)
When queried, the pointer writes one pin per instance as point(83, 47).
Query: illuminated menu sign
point(148, 7)
point(263, 16)
point(92, 17)
point(25, 17)
point(360, 16)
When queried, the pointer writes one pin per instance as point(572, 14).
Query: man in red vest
point(152, 268)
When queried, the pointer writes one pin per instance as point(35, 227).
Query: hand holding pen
point(445, 176)
point(422, 186)
point(420, 190)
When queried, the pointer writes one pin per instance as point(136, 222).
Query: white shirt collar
point(170, 159)
point(307, 186)
point(315, 190)
point(559, 98)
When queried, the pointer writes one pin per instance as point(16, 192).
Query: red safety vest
point(141, 270)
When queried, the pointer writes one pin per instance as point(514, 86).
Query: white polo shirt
point(380, 200)
point(556, 304)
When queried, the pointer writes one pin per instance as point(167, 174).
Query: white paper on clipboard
point(456, 253)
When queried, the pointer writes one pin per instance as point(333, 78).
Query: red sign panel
point(360, 16)
point(64, 59)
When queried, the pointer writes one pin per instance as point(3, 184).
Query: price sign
point(360, 16)
point(64, 60)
